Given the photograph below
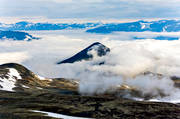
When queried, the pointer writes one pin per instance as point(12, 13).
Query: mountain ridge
point(138, 26)
point(28, 26)
point(103, 28)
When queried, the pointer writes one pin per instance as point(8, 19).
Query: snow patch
point(14, 72)
point(27, 38)
point(167, 100)
point(56, 115)
point(145, 25)
point(42, 78)
point(8, 84)
point(25, 86)
point(39, 88)
point(77, 82)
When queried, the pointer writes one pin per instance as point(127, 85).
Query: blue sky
point(99, 9)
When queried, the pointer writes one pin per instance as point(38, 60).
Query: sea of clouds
point(125, 65)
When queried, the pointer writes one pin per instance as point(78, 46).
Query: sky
point(90, 9)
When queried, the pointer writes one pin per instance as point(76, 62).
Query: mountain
point(46, 26)
point(139, 26)
point(158, 38)
point(104, 28)
point(15, 77)
point(16, 35)
point(85, 54)
point(24, 95)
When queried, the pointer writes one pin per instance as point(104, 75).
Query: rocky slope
point(15, 77)
point(31, 92)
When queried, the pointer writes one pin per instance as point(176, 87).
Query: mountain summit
point(86, 54)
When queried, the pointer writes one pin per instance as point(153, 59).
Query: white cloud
point(101, 9)
point(72, 1)
point(18, 57)
point(124, 64)
point(59, 1)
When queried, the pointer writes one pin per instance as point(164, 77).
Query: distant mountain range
point(157, 38)
point(16, 35)
point(139, 26)
point(46, 26)
point(98, 48)
point(104, 28)
point(16, 31)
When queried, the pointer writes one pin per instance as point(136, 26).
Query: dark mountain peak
point(96, 43)
point(85, 54)
point(100, 49)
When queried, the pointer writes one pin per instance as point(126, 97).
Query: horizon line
point(11, 20)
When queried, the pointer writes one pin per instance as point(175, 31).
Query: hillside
point(32, 92)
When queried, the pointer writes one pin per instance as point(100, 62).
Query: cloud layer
point(125, 64)
point(94, 9)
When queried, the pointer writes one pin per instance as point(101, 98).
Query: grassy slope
point(17, 106)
